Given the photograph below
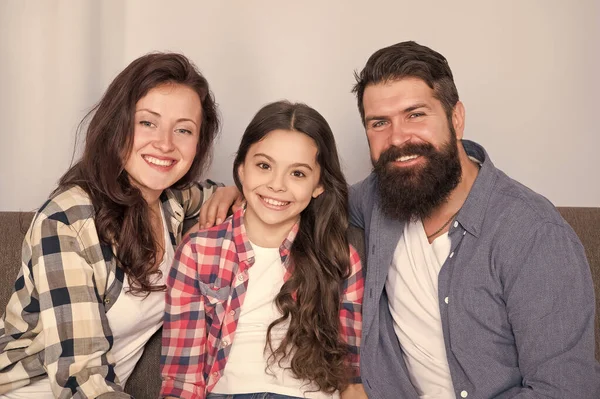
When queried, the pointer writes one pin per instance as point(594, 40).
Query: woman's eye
point(146, 123)
point(184, 131)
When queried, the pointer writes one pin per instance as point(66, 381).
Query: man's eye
point(416, 115)
point(378, 124)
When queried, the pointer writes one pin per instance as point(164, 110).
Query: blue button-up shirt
point(515, 295)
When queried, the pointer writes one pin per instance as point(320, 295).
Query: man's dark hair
point(408, 59)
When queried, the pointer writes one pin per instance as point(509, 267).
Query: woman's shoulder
point(70, 206)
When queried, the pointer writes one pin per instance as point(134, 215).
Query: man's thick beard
point(412, 193)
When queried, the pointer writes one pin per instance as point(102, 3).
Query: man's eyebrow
point(407, 110)
point(415, 107)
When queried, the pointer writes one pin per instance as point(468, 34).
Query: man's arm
point(550, 304)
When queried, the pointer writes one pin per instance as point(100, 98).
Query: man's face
point(413, 147)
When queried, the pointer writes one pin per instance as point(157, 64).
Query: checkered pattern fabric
point(206, 289)
point(55, 322)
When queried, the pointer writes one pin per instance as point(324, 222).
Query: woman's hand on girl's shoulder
point(354, 391)
point(216, 207)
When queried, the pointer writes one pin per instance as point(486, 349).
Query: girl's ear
point(241, 172)
point(318, 191)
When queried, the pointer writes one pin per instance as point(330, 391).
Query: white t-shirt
point(412, 287)
point(247, 360)
point(132, 320)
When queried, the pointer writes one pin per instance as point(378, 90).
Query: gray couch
point(145, 381)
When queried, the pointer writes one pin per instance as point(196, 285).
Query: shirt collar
point(242, 242)
point(472, 213)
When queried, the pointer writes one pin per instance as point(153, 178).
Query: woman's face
point(167, 128)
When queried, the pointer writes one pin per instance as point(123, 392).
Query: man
point(475, 287)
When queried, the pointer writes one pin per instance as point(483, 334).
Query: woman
point(90, 292)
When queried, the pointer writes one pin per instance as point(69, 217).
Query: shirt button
point(241, 278)
point(232, 312)
point(451, 254)
point(216, 374)
point(455, 224)
point(464, 394)
point(224, 344)
point(446, 300)
point(107, 300)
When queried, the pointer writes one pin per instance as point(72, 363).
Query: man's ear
point(458, 119)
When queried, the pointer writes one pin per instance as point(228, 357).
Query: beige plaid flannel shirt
point(55, 322)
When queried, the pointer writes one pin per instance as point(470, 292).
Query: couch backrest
point(145, 380)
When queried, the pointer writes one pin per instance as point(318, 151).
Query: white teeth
point(159, 162)
point(271, 201)
point(406, 158)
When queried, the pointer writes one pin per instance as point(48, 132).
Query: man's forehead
point(397, 96)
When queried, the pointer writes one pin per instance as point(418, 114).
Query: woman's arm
point(184, 335)
point(74, 328)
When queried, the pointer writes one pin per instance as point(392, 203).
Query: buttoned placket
point(456, 234)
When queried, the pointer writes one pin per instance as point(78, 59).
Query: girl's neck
point(266, 235)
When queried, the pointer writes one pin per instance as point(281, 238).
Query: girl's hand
point(214, 210)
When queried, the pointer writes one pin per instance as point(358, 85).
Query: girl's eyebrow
point(294, 165)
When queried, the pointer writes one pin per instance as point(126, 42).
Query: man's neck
point(455, 200)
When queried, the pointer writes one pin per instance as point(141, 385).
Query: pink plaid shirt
point(206, 289)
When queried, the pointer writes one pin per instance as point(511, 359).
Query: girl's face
point(280, 175)
point(166, 133)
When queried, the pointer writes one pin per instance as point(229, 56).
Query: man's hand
point(354, 391)
point(214, 210)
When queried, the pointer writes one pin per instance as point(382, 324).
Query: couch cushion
point(586, 223)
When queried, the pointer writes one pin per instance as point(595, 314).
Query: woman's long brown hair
point(319, 255)
point(121, 213)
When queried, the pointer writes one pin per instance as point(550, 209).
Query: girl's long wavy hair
point(319, 255)
point(121, 213)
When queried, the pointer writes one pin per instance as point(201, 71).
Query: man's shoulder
point(521, 203)
point(364, 190)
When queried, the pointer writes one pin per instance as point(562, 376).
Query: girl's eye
point(146, 123)
point(184, 131)
point(298, 173)
point(263, 165)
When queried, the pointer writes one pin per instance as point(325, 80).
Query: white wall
point(526, 70)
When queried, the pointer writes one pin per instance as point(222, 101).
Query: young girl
point(90, 292)
point(270, 300)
